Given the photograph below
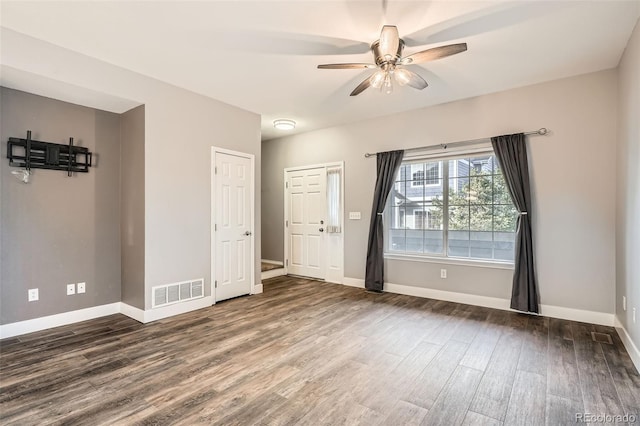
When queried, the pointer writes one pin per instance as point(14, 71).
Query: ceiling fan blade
point(361, 87)
point(435, 53)
point(389, 41)
point(404, 76)
point(353, 66)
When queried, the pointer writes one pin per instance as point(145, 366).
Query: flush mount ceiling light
point(283, 124)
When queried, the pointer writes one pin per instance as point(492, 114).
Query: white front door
point(232, 229)
point(306, 218)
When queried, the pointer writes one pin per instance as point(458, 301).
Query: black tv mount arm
point(32, 154)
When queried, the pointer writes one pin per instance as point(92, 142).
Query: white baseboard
point(591, 317)
point(177, 309)
point(50, 321)
point(631, 347)
point(132, 312)
point(601, 318)
point(257, 289)
point(353, 282)
point(66, 318)
point(273, 273)
point(273, 262)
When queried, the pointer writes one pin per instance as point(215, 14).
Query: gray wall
point(58, 230)
point(132, 206)
point(180, 129)
point(574, 212)
point(628, 194)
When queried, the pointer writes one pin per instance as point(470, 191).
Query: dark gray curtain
point(511, 152)
point(388, 165)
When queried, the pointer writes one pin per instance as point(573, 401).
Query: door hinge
point(286, 185)
point(215, 227)
point(286, 262)
point(215, 170)
point(216, 283)
point(286, 223)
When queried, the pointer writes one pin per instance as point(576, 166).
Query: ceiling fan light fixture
point(388, 84)
point(284, 124)
point(402, 76)
point(377, 79)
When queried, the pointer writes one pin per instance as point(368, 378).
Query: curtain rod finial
point(543, 131)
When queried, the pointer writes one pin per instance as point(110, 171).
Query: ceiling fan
point(387, 53)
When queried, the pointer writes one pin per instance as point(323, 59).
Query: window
point(417, 174)
point(426, 173)
point(433, 173)
point(457, 207)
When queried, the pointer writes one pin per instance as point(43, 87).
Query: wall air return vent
point(168, 294)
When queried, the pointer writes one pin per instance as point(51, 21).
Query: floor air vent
point(169, 294)
point(601, 337)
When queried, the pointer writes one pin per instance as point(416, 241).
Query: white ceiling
point(262, 55)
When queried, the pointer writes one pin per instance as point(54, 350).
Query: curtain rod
point(542, 131)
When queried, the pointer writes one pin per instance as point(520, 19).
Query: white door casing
point(233, 241)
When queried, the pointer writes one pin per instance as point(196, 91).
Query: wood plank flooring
point(309, 353)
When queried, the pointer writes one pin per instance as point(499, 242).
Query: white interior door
point(306, 218)
point(232, 228)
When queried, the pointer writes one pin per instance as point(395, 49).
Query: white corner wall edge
point(600, 318)
point(57, 320)
point(631, 347)
point(257, 289)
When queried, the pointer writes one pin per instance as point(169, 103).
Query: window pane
point(500, 192)
point(458, 244)
point(458, 218)
point(415, 242)
point(481, 218)
point(481, 190)
point(504, 218)
point(433, 241)
point(504, 245)
point(432, 173)
point(481, 245)
point(396, 240)
point(481, 165)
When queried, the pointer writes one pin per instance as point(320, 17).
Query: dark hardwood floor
point(309, 353)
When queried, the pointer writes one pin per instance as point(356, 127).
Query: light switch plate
point(82, 287)
point(354, 216)
point(71, 289)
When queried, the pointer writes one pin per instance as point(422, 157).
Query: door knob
point(247, 233)
point(321, 229)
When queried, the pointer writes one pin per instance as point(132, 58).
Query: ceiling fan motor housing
point(381, 59)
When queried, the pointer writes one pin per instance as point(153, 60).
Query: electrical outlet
point(624, 303)
point(33, 294)
point(443, 273)
point(71, 289)
point(82, 287)
point(354, 216)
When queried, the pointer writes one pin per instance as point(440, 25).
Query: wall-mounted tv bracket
point(32, 154)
